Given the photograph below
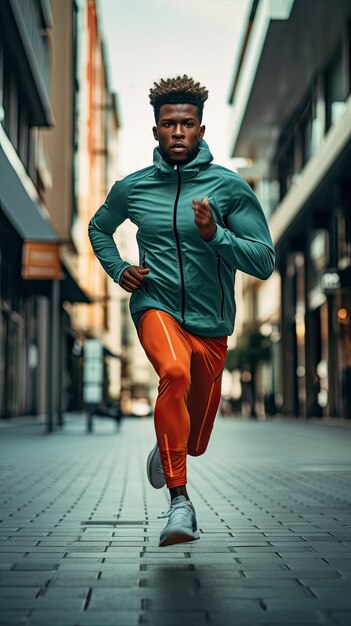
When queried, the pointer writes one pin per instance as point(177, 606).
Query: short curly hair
point(182, 89)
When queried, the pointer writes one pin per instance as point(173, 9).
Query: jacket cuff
point(217, 237)
point(118, 275)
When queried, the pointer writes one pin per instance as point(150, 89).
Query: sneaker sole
point(176, 537)
point(156, 484)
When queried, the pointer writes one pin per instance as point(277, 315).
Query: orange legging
point(190, 370)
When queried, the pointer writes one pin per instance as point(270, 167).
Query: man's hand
point(133, 277)
point(204, 218)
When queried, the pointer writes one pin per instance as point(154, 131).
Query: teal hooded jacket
point(190, 278)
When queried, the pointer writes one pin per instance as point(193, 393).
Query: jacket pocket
point(221, 285)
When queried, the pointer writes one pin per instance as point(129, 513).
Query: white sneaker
point(182, 525)
point(154, 469)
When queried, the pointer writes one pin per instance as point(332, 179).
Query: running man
point(198, 223)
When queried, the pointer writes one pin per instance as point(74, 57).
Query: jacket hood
point(203, 157)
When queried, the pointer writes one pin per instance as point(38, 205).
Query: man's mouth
point(178, 147)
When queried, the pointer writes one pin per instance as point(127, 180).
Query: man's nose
point(178, 132)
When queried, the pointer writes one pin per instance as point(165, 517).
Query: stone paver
point(79, 528)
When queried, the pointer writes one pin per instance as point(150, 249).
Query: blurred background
point(75, 117)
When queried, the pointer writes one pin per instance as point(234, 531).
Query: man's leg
point(168, 349)
point(207, 365)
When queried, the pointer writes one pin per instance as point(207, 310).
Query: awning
point(70, 290)
point(21, 210)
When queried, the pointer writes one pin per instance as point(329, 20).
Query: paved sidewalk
point(79, 529)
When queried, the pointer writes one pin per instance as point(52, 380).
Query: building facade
point(82, 150)
point(29, 243)
point(291, 120)
point(58, 136)
point(95, 158)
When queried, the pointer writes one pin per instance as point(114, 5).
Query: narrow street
point(79, 528)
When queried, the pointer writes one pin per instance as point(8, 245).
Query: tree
point(252, 348)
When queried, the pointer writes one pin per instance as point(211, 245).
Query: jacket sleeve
point(112, 213)
point(246, 243)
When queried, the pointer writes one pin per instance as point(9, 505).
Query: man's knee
point(177, 376)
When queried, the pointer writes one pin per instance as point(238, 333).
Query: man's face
point(178, 132)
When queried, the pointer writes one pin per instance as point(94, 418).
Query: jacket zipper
point(178, 243)
point(144, 265)
point(220, 283)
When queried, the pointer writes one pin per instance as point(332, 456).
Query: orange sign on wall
point(41, 261)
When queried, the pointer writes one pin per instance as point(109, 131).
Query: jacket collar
point(203, 157)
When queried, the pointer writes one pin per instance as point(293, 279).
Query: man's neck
point(172, 162)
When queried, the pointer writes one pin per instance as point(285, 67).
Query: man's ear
point(202, 131)
point(154, 130)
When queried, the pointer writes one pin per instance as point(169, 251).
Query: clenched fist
point(204, 218)
point(133, 277)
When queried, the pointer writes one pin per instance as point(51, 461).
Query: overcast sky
point(150, 39)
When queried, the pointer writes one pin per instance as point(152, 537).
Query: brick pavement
point(79, 529)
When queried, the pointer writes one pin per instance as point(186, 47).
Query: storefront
point(25, 305)
point(314, 260)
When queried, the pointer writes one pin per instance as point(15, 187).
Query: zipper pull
point(175, 167)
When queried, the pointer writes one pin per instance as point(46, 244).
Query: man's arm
point(246, 244)
point(101, 227)
point(103, 224)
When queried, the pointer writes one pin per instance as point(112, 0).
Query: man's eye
point(167, 124)
point(189, 124)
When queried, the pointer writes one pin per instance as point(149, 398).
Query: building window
point(336, 88)
point(306, 135)
point(311, 127)
point(16, 115)
point(23, 133)
point(318, 262)
point(10, 103)
point(286, 167)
